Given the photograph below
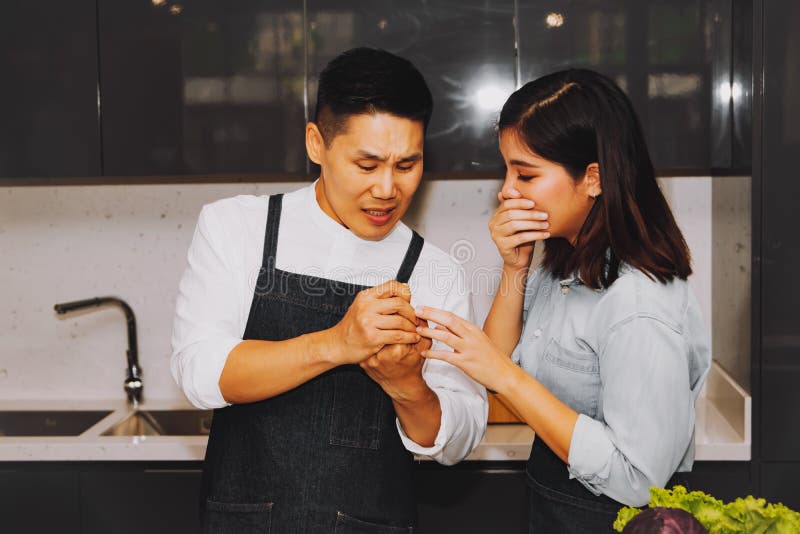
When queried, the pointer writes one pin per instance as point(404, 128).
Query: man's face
point(369, 173)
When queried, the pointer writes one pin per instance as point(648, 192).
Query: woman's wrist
point(510, 377)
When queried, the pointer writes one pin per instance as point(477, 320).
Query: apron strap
point(412, 255)
point(273, 225)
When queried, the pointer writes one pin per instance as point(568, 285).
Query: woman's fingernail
point(513, 191)
point(546, 234)
point(419, 311)
point(529, 203)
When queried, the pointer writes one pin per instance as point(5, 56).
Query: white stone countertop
point(722, 432)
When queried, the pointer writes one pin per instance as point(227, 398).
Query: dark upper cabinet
point(48, 92)
point(675, 59)
point(165, 87)
point(464, 49)
point(202, 87)
point(780, 247)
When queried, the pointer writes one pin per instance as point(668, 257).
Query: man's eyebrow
point(363, 154)
point(416, 156)
point(522, 163)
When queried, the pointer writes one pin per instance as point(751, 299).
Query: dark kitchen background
point(120, 118)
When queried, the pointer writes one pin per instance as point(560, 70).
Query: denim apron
point(562, 505)
point(324, 457)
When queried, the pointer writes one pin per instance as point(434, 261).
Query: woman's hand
point(474, 353)
point(515, 227)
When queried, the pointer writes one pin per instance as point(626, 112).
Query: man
point(315, 372)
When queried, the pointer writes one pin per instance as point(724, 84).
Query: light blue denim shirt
point(631, 359)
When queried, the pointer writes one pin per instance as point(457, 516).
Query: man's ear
point(592, 180)
point(315, 144)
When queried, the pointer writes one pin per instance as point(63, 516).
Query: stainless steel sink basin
point(163, 423)
point(48, 423)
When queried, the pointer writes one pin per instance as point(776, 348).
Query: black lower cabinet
point(780, 482)
point(472, 497)
point(136, 501)
point(724, 480)
point(156, 498)
point(34, 501)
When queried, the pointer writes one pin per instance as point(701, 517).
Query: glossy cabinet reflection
point(202, 87)
point(465, 50)
point(780, 159)
point(48, 92)
point(171, 87)
point(672, 58)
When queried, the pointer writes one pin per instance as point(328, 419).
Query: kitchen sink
point(48, 423)
point(163, 423)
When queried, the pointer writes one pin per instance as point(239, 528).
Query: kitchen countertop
point(722, 432)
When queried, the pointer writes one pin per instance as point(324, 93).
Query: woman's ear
point(592, 180)
point(315, 144)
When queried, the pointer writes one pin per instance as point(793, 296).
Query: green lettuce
point(748, 515)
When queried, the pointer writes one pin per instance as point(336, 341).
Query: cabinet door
point(780, 189)
point(49, 93)
point(780, 482)
point(672, 58)
point(724, 480)
point(472, 497)
point(465, 51)
point(202, 87)
point(152, 501)
point(37, 501)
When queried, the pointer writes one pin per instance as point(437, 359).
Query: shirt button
point(537, 332)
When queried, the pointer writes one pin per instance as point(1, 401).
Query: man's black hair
point(367, 81)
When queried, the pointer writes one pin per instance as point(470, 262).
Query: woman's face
point(566, 201)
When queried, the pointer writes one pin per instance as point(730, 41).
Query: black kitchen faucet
point(133, 382)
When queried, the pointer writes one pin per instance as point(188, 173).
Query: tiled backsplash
point(66, 243)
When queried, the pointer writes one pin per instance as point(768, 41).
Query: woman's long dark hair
point(577, 117)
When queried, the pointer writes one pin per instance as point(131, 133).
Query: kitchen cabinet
point(472, 497)
point(202, 87)
point(135, 500)
point(779, 483)
point(675, 60)
point(724, 480)
point(49, 92)
point(163, 497)
point(163, 89)
point(465, 51)
point(776, 157)
point(39, 501)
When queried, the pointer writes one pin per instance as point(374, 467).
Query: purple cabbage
point(664, 521)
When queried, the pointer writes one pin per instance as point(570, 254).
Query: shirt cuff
point(441, 437)
point(590, 453)
point(203, 371)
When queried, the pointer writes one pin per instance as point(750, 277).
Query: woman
point(604, 351)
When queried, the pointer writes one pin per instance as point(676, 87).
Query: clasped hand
point(379, 331)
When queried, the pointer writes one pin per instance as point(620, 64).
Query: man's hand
point(379, 316)
point(397, 369)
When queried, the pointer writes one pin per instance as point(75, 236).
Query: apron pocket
point(356, 409)
point(237, 518)
point(346, 524)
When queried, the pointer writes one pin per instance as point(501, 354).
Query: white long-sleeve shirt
point(217, 289)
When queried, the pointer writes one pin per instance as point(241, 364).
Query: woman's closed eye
point(525, 178)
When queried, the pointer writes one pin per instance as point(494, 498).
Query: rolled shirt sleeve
point(463, 401)
point(206, 326)
point(648, 406)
